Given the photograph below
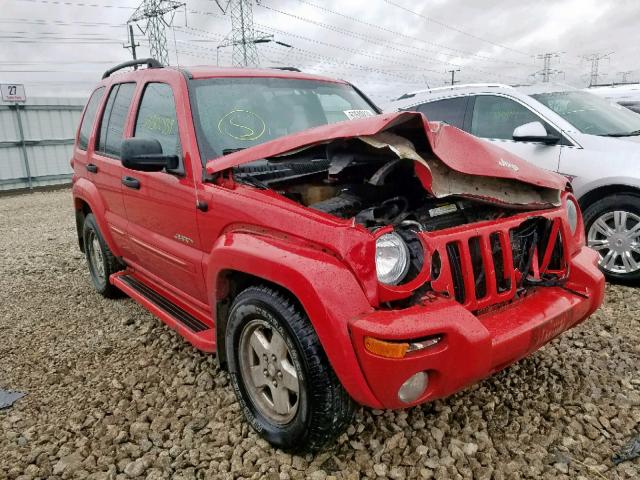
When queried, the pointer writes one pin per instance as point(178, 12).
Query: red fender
point(325, 287)
point(86, 191)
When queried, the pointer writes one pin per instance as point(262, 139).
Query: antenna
point(152, 13)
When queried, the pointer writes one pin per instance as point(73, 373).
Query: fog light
point(413, 387)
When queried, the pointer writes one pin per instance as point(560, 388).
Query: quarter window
point(115, 118)
point(89, 117)
point(450, 110)
point(157, 118)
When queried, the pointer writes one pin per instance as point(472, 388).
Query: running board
point(199, 334)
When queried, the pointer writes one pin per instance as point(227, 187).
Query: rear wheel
point(102, 263)
point(285, 385)
point(613, 230)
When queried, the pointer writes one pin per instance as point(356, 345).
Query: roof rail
point(149, 62)
point(287, 69)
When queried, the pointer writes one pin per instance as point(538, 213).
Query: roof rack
point(287, 69)
point(149, 62)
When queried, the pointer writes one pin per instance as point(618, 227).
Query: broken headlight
point(392, 258)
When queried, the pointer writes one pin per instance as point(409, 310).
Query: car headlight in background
point(392, 258)
point(572, 215)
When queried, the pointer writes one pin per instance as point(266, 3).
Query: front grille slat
point(480, 269)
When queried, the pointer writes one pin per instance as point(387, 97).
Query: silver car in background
point(594, 143)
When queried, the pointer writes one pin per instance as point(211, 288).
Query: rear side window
point(450, 110)
point(89, 117)
point(157, 118)
point(115, 118)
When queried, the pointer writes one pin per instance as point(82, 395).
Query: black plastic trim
point(185, 318)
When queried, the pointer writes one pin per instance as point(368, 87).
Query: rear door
point(104, 164)
point(161, 210)
point(495, 117)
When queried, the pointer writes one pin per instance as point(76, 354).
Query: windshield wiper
point(623, 134)
point(228, 151)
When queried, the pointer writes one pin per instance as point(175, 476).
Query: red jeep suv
point(328, 254)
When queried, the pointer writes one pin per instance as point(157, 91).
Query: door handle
point(91, 168)
point(131, 182)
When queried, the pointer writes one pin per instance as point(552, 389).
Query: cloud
point(62, 48)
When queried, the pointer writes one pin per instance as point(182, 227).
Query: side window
point(157, 118)
point(89, 117)
point(450, 110)
point(114, 119)
point(497, 117)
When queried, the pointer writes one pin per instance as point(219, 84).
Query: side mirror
point(534, 132)
point(145, 155)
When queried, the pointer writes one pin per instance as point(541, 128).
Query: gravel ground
point(112, 393)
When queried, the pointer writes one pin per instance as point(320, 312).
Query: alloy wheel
point(268, 372)
point(96, 256)
point(615, 235)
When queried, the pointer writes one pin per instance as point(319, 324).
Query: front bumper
point(473, 347)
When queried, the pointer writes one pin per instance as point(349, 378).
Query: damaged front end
point(451, 216)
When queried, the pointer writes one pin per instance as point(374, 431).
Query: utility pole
point(132, 44)
point(547, 71)
point(453, 76)
point(243, 36)
point(595, 58)
point(152, 13)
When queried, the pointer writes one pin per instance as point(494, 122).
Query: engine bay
point(369, 187)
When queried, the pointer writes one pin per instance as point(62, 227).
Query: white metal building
point(36, 141)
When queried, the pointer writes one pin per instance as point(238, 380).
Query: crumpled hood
point(458, 150)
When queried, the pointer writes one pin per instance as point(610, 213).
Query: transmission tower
point(625, 76)
point(151, 14)
point(453, 76)
point(595, 58)
point(243, 36)
point(547, 71)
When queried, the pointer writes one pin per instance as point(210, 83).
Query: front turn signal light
point(389, 349)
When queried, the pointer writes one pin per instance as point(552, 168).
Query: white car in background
point(627, 95)
point(594, 143)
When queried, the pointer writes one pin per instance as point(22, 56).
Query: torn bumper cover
point(466, 346)
point(447, 160)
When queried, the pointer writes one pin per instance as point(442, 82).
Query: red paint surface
point(325, 262)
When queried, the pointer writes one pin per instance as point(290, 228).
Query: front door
point(495, 117)
point(161, 206)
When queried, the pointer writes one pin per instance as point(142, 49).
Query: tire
point(322, 410)
point(101, 261)
point(609, 227)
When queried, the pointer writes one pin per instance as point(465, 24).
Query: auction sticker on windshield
point(355, 114)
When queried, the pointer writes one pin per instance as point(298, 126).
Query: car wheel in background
point(284, 383)
point(613, 229)
point(102, 262)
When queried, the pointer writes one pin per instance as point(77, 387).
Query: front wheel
point(283, 381)
point(613, 229)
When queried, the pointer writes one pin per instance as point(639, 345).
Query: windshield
point(236, 113)
point(591, 114)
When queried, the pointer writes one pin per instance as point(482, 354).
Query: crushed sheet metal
point(446, 181)
point(9, 397)
point(631, 451)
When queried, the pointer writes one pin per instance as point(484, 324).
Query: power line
point(395, 33)
point(78, 4)
point(455, 29)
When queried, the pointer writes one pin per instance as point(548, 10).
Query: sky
point(385, 47)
